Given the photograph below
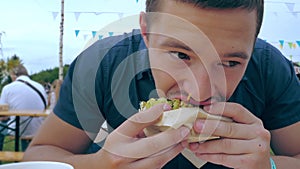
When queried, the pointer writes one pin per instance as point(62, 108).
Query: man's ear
point(143, 27)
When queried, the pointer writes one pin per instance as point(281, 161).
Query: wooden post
point(61, 66)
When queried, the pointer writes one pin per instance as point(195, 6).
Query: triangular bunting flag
point(290, 6)
point(298, 42)
point(110, 33)
point(85, 36)
point(137, 1)
point(294, 45)
point(94, 33)
point(77, 32)
point(290, 44)
point(100, 37)
point(120, 15)
point(77, 14)
point(295, 14)
point(54, 15)
point(281, 44)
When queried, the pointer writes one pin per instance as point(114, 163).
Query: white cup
point(36, 165)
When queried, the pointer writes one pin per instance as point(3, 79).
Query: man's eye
point(230, 63)
point(180, 55)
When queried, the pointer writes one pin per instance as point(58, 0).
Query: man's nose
point(203, 82)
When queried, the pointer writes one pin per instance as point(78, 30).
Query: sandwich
point(181, 114)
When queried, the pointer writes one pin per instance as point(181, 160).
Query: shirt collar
point(23, 77)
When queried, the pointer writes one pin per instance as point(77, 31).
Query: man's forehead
point(176, 31)
point(188, 16)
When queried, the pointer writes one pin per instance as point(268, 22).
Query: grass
point(9, 144)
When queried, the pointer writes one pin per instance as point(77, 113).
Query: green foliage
point(5, 67)
point(48, 76)
point(13, 62)
point(43, 77)
point(9, 144)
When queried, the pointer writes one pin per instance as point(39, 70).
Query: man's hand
point(244, 144)
point(128, 148)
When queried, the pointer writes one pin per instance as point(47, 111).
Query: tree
point(43, 77)
point(48, 76)
point(6, 67)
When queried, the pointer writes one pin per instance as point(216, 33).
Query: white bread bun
point(184, 116)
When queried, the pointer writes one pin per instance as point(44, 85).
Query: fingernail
point(184, 131)
point(166, 107)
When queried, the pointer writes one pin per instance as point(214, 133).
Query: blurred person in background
point(24, 94)
point(54, 93)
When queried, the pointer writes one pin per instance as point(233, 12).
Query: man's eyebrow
point(175, 44)
point(181, 45)
point(241, 55)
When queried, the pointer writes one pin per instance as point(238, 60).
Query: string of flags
point(77, 14)
point(289, 5)
point(282, 43)
point(291, 44)
point(287, 46)
point(121, 14)
point(93, 34)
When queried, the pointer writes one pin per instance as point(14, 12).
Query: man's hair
point(258, 5)
point(20, 70)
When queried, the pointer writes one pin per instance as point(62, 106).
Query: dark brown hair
point(258, 5)
point(20, 70)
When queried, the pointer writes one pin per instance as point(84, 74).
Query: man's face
point(198, 54)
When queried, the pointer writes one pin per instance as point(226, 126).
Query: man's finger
point(150, 145)
point(235, 111)
point(226, 129)
point(141, 120)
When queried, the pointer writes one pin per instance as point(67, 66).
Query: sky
point(30, 28)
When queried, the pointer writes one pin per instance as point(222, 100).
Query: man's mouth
point(174, 103)
point(190, 100)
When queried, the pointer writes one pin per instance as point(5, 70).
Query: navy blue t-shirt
point(109, 79)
